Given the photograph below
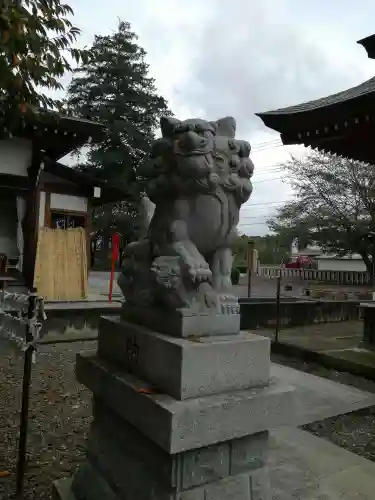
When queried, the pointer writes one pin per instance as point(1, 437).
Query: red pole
point(115, 255)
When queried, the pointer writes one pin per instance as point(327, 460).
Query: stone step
point(178, 426)
point(186, 368)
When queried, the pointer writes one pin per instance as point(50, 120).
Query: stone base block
point(186, 368)
point(185, 322)
point(112, 440)
point(178, 426)
point(251, 486)
point(123, 464)
point(116, 469)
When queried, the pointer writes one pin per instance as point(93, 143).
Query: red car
point(301, 262)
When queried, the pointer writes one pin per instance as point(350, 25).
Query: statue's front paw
point(211, 300)
point(229, 304)
point(200, 273)
point(209, 297)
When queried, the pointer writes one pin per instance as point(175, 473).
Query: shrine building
point(36, 191)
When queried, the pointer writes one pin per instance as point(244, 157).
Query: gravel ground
point(60, 415)
point(354, 431)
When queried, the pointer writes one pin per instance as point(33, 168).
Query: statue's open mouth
point(193, 152)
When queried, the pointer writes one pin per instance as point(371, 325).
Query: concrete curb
point(326, 360)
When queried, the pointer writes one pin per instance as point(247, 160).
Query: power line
point(268, 203)
point(262, 211)
point(264, 148)
point(265, 216)
point(270, 168)
point(264, 143)
point(253, 224)
point(267, 180)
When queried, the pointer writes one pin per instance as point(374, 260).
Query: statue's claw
point(209, 296)
point(211, 300)
point(229, 304)
point(200, 274)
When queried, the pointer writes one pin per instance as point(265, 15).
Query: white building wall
point(15, 156)
point(68, 202)
point(341, 265)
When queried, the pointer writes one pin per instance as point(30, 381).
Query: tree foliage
point(272, 249)
point(334, 205)
point(36, 48)
point(113, 87)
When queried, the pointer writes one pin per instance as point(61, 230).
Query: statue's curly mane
point(198, 155)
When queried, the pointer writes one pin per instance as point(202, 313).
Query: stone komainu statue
point(198, 178)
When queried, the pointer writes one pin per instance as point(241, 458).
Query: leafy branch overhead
point(37, 48)
point(334, 205)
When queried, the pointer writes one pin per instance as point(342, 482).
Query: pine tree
point(114, 88)
point(36, 37)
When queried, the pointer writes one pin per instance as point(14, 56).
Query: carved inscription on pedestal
point(132, 353)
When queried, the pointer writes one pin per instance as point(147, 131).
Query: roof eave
point(109, 193)
point(368, 43)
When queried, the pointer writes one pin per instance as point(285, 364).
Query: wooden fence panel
point(61, 264)
point(342, 277)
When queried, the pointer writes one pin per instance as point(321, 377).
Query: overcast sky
point(213, 58)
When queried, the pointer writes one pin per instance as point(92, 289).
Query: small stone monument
point(182, 399)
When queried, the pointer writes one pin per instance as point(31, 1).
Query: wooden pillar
point(30, 222)
point(88, 229)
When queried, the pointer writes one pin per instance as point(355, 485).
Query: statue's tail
point(145, 211)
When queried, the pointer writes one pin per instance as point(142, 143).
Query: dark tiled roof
point(369, 45)
point(364, 88)
point(65, 121)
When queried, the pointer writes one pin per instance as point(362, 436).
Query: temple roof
point(365, 88)
point(277, 119)
point(369, 45)
point(341, 123)
point(55, 133)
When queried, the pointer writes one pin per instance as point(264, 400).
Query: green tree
point(113, 87)
point(334, 206)
point(272, 249)
point(240, 248)
point(36, 40)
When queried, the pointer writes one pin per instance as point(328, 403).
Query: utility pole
point(371, 239)
point(278, 292)
point(250, 265)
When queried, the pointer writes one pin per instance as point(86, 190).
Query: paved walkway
point(339, 340)
point(305, 467)
point(321, 337)
point(318, 398)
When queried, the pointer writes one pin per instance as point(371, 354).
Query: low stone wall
point(66, 320)
point(262, 314)
point(340, 295)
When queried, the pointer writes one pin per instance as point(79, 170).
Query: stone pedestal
point(177, 418)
